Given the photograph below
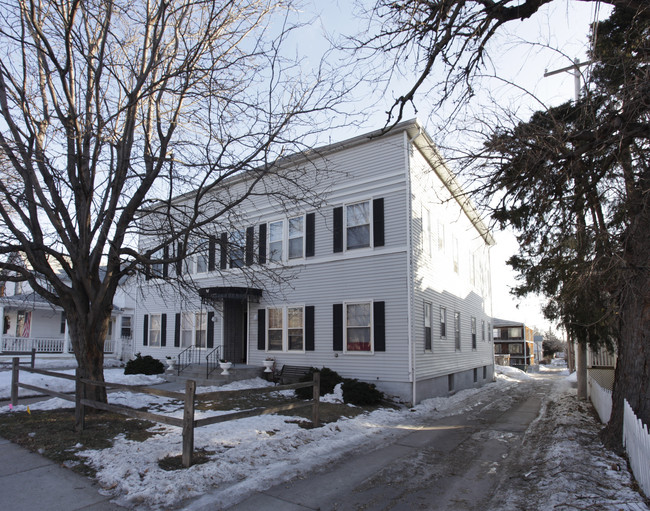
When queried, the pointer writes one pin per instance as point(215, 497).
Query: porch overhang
point(249, 294)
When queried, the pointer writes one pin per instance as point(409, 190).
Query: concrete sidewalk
point(30, 482)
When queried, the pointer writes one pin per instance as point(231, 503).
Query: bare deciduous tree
point(111, 108)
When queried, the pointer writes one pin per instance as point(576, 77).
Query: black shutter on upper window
point(379, 325)
point(337, 327)
point(163, 330)
point(165, 273)
point(179, 262)
point(210, 341)
point(261, 329)
point(212, 253)
point(145, 330)
point(223, 245)
point(177, 330)
point(378, 222)
point(262, 244)
point(310, 235)
point(250, 243)
point(309, 328)
point(338, 229)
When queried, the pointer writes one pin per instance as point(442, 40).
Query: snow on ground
point(255, 453)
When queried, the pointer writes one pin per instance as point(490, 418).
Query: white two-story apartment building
point(386, 279)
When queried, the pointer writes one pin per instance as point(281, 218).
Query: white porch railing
point(44, 345)
point(637, 444)
point(41, 345)
point(601, 399)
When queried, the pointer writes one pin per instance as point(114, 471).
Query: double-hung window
point(126, 327)
point(296, 329)
point(358, 225)
point(358, 321)
point(457, 330)
point(443, 322)
point(157, 266)
point(473, 325)
point(427, 325)
point(276, 237)
point(237, 249)
point(154, 330)
point(296, 237)
point(426, 231)
point(286, 329)
point(483, 330)
point(275, 329)
point(202, 254)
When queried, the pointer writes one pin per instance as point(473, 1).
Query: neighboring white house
point(31, 322)
point(387, 280)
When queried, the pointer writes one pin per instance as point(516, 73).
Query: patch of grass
point(171, 463)
point(51, 433)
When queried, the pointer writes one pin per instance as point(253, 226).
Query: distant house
point(516, 340)
point(31, 322)
point(389, 276)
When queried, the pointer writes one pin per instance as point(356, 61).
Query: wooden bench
point(290, 374)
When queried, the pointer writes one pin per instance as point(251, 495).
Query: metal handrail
point(212, 361)
point(186, 358)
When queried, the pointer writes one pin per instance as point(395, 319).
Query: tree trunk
point(582, 371)
point(88, 342)
point(632, 377)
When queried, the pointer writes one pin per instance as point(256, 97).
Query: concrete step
point(197, 372)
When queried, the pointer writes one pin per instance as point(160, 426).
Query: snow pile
point(511, 373)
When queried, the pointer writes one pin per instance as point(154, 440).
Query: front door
point(234, 330)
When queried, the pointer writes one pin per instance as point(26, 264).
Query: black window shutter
point(147, 271)
point(212, 254)
point(210, 341)
point(338, 229)
point(165, 263)
point(163, 330)
point(337, 331)
point(261, 329)
point(310, 235)
point(262, 246)
point(250, 242)
point(379, 323)
point(378, 222)
point(179, 262)
point(145, 330)
point(223, 244)
point(309, 328)
point(177, 330)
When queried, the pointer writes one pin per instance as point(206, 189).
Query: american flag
point(27, 324)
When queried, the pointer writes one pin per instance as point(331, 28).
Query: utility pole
point(581, 358)
point(575, 69)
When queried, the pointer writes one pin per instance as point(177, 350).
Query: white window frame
point(457, 337)
point(473, 330)
point(428, 320)
point(369, 303)
point(129, 320)
point(443, 321)
point(483, 330)
point(346, 225)
point(301, 218)
point(270, 256)
point(155, 333)
point(284, 329)
point(202, 254)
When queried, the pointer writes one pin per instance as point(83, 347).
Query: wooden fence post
point(15, 361)
point(315, 410)
point(33, 357)
point(79, 408)
point(188, 423)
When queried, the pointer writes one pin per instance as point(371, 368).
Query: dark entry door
point(234, 326)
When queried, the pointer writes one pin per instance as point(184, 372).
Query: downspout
point(409, 263)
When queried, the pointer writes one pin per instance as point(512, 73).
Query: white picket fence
point(636, 437)
point(601, 399)
point(637, 444)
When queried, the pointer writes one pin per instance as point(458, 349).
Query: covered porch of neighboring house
point(226, 311)
point(30, 322)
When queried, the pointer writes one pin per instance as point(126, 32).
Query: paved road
point(453, 463)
